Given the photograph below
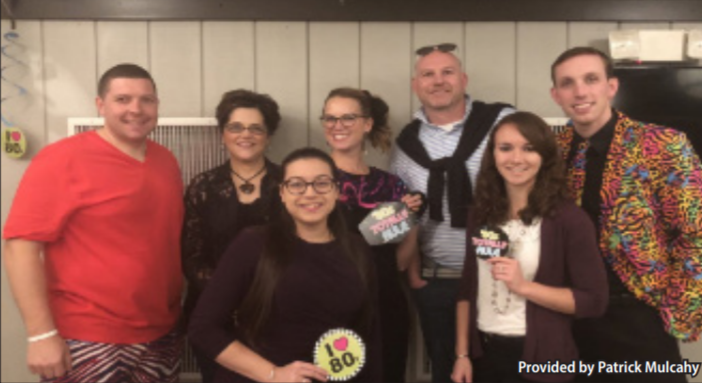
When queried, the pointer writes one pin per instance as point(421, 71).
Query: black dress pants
point(629, 331)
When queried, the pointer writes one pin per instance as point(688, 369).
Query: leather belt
point(432, 269)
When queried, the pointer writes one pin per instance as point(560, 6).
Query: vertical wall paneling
point(594, 35)
point(489, 59)
point(281, 71)
point(227, 60)
point(698, 62)
point(121, 42)
point(333, 62)
point(386, 61)
point(176, 58)
point(651, 25)
point(27, 113)
point(435, 33)
point(538, 44)
point(686, 26)
point(70, 73)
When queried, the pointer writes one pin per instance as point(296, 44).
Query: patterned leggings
point(156, 361)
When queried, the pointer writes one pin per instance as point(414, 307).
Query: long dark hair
point(491, 205)
point(380, 135)
point(278, 253)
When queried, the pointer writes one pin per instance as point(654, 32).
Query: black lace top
point(214, 216)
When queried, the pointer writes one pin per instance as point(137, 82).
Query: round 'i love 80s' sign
point(14, 143)
point(341, 353)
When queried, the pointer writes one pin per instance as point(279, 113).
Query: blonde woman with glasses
point(351, 118)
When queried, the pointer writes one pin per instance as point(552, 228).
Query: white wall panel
point(686, 26)
point(594, 35)
point(281, 71)
point(651, 25)
point(698, 62)
point(538, 44)
point(70, 73)
point(27, 113)
point(490, 60)
point(121, 42)
point(227, 60)
point(386, 62)
point(176, 65)
point(333, 62)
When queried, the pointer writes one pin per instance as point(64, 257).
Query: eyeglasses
point(238, 128)
point(298, 186)
point(445, 47)
point(347, 120)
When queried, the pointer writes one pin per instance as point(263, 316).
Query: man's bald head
point(440, 83)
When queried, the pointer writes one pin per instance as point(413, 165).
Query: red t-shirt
point(111, 228)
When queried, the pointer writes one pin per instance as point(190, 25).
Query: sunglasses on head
point(445, 47)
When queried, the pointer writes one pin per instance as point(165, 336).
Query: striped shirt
point(439, 241)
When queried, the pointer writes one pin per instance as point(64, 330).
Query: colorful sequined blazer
point(651, 222)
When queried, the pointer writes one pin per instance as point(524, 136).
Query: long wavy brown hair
point(491, 204)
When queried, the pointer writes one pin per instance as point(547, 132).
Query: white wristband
point(43, 336)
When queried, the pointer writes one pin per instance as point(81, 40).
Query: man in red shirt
point(104, 208)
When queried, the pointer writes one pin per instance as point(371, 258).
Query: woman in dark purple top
point(518, 307)
point(287, 284)
point(351, 117)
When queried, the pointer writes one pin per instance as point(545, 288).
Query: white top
point(525, 246)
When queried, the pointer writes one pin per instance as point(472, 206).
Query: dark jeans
point(436, 303)
point(629, 331)
point(206, 365)
point(500, 360)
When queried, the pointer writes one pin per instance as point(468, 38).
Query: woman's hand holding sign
point(508, 271)
point(413, 201)
point(299, 372)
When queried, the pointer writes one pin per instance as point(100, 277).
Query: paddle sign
point(389, 222)
point(14, 143)
point(489, 242)
point(341, 353)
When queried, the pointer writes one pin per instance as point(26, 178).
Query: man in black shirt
point(636, 181)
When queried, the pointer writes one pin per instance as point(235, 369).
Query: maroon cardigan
point(569, 258)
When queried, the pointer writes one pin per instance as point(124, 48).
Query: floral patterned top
point(369, 190)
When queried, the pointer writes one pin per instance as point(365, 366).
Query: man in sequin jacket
point(641, 184)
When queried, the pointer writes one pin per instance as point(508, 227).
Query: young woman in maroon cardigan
point(519, 307)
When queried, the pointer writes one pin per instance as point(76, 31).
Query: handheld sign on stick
point(341, 353)
point(389, 222)
point(489, 242)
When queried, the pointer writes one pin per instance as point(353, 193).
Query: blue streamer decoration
point(11, 40)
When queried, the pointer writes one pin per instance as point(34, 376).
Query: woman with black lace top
point(241, 192)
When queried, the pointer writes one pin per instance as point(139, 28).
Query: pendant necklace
point(247, 187)
point(516, 233)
